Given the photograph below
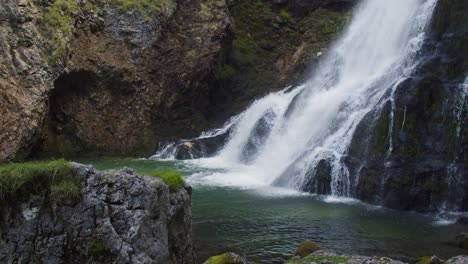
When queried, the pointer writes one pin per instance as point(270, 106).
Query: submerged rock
point(120, 218)
point(306, 247)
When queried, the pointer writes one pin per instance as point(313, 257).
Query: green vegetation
point(96, 248)
point(37, 178)
point(267, 39)
point(306, 247)
point(318, 259)
point(284, 14)
point(225, 72)
point(193, 54)
point(209, 9)
point(226, 258)
point(429, 260)
point(146, 7)
point(58, 19)
point(172, 178)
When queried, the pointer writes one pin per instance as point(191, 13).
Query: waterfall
point(281, 138)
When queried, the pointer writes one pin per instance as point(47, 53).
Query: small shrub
point(173, 179)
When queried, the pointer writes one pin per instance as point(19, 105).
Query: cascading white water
point(317, 120)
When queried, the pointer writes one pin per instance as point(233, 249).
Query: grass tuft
point(172, 178)
point(39, 177)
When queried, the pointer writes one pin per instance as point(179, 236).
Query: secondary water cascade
point(283, 138)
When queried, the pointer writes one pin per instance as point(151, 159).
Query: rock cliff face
point(145, 71)
point(121, 218)
point(425, 128)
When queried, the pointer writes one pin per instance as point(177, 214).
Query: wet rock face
point(425, 168)
point(121, 218)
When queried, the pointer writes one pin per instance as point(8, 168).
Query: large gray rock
point(458, 260)
point(121, 218)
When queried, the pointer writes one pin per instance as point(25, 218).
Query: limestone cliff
point(119, 217)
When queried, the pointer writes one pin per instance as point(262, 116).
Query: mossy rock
point(173, 179)
point(226, 258)
point(306, 247)
point(430, 260)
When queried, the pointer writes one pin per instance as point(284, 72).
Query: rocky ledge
point(120, 217)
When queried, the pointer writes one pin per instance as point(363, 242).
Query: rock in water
point(226, 258)
point(306, 247)
point(458, 260)
point(430, 260)
point(121, 218)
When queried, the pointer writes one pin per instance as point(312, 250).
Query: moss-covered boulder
point(173, 179)
point(226, 258)
point(430, 260)
point(306, 247)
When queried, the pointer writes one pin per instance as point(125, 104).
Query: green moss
point(146, 7)
point(226, 258)
point(34, 178)
point(209, 9)
point(150, 140)
point(96, 248)
point(172, 178)
point(58, 19)
point(429, 260)
point(193, 54)
point(225, 72)
point(60, 145)
point(306, 247)
point(284, 14)
point(318, 259)
point(263, 47)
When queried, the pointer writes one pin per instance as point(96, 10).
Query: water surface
point(266, 224)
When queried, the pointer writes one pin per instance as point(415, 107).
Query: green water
point(267, 228)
